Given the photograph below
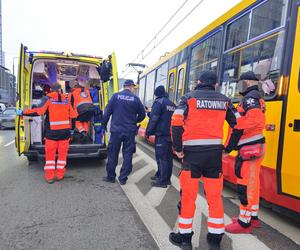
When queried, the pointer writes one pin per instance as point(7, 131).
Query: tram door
point(290, 168)
point(180, 80)
point(172, 83)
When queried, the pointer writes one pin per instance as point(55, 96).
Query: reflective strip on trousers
point(245, 219)
point(60, 166)
point(185, 231)
point(216, 230)
point(96, 104)
point(215, 220)
point(202, 142)
point(83, 103)
point(60, 123)
point(49, 167)
point(185, 221)
point(50, 162)
point(250, 139)
point(61, 162)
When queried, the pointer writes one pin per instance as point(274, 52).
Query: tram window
point(264, 58)
point(180, 84)
point(171, 86)
point(237, 32)
point(142, 89)
point(204, 56)
point(150, 89)
point(268, 16)
point(162, 75)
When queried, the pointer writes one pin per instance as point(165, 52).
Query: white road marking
point(145, 206)
point(265, 214)
point(156, 195)
point(7, 144)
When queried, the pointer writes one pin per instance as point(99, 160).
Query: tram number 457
point(228, 89)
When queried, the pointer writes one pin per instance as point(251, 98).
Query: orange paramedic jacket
point(250, 123)
point(199, 118)
point(59, 114)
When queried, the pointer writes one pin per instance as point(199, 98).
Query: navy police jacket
point(126, 109)
point(160, 117)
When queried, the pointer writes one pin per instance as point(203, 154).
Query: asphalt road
point(81, 212)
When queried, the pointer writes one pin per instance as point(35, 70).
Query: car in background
point(7, 118)
point(2, 107)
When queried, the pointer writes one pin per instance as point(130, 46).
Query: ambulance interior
point(65, 72)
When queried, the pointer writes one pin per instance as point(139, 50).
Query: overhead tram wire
point(155, 46)
point(169, 33)
point(153, 39)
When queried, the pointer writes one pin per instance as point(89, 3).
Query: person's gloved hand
point(19, 112)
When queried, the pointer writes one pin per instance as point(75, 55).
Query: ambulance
point(37, 71)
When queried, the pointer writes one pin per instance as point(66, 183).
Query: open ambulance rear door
point(22, 140)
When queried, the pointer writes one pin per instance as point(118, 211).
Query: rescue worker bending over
point(247, 137)
point(58, 123)
point(83, 104)
point(98, 128)
point(159, 125)
point(126, 110)
point(197, 132)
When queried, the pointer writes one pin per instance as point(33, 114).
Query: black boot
point(182, 240)
point(214, 241)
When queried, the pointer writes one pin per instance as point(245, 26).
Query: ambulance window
point(179, 84)
point(150, 89)
point(237, 32)
point(142, 89)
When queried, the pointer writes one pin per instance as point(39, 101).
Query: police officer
point(159, 125)
point(58, 123)
point(197, 132)
point(126, 110)
point(247, 137)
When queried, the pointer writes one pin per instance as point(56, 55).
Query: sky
point(99, 27)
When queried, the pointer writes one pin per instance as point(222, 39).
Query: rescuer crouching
point(58, 124)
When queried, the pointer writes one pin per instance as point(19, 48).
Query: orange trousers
point(248, 190)
point(51, 147)
point(189, 190)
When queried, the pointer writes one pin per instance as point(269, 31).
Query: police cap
point(249, 76)
point(128, 82)
point(208, 77)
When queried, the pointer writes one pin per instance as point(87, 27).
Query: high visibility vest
point(59, 112)
point(82, 100)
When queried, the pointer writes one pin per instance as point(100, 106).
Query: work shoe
point(154, 178)
point(181, 240)
point(49, 176)
point(254, 222)
point(60, 173)
point(122, 183)
point(157, 184)
point(106, 179)
point(236, 228)
point(214, 241)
